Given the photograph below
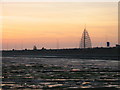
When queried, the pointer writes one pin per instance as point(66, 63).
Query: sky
point(47, 24)
point(60, 0)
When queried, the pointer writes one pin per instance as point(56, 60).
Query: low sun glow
point(44, 23)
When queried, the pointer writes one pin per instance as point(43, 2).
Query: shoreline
point(88, 53)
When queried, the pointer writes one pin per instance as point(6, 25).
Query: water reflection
point(40, 73)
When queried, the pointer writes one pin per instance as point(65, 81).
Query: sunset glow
point(44, 23)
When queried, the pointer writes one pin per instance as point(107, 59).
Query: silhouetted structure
point(85, 40)
point(117, 46)
point(34, 48)
point(111, 53)
point(108, 44)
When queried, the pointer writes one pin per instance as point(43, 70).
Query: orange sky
point(42, 24)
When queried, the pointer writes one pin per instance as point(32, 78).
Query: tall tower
point(85, 40)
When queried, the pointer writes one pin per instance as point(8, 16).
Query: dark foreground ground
point(21, 73)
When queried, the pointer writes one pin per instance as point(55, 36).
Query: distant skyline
point(43, 24)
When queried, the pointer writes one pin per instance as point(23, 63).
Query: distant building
point(13, 49)
point(34, 48)
point(108, 44)
point(25, 49)
point(43, 48)
point(85, 40)
point(117, 45)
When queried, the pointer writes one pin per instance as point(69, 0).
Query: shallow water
point(40, 73)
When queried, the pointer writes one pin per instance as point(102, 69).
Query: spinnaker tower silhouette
point(85, 40)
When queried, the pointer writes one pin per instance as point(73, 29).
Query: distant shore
point(88, 53)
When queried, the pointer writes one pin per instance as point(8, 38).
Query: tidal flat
point(58, 73)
